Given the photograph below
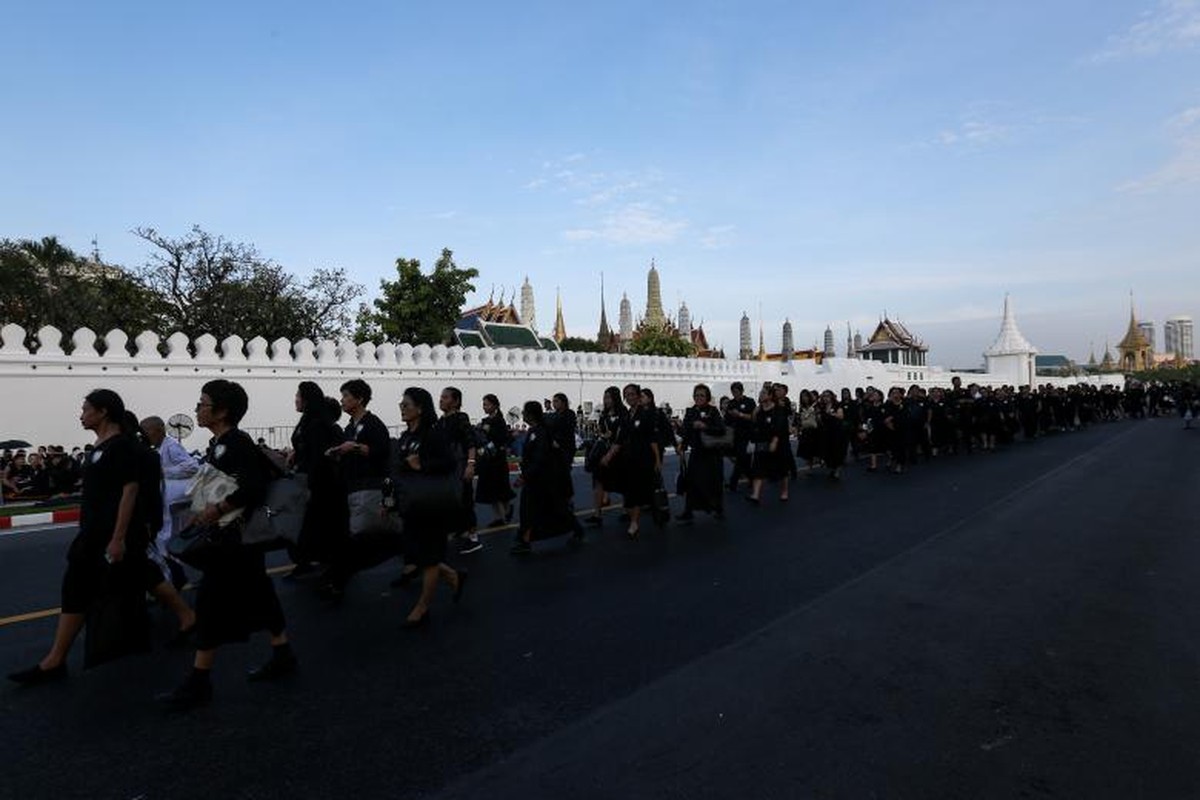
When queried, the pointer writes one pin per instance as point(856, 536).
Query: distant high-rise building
point(745, 340)
point(829, 351)
point(528, 317)
point(655, 317)
point(789, 344)
point(685, 323)
point(1179, 337)
point(625, 321)
point(1147, 329)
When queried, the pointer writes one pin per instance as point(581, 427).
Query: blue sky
point(824, 161)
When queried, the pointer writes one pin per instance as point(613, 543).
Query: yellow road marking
point(51, 612)
point(30, 617)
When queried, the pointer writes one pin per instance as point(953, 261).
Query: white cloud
point(636, 223)
point(1171, 25)
point(717, 237)
point(1183, 167)
point(973, 133)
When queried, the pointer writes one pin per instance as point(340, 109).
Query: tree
point(417, 308)
point(578, 344)
point(211, 285)
point(46, 283)
point(661, 343)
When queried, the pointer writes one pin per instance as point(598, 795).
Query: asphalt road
point(1011, 625)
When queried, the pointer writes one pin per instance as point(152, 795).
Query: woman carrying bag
point(545, 509)
point(428, 497)
point(605, 478)
point(491, 467)
point(236, 597)
point(703, 477)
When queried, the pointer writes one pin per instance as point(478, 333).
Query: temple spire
point(655, 316)
point(560, 329)
point(528, 315)
point(605, 333)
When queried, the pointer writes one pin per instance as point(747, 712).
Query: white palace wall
point(41, 387)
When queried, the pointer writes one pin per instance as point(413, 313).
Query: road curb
point(45, 518)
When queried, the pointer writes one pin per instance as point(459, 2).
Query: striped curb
point(47, 518)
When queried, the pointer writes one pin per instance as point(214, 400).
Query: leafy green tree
point(208, 284)
point(417, 308)
point(661, 343)
point(44, 282)
point(578, 344)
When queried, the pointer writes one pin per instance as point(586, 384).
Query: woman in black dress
point(896, 423)
point(461, 436)
point(703, 477)
point(327, 516)
point(832, 427)
point(808, 433)
point(941, 423)
point(769, 439)
point(604, 477)
point(545, 509)
point(637, 457)
point(110, 544)
point(424, 450)
point(236, 596)
point(491, 462)
point(874, 433)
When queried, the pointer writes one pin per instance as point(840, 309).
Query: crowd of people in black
point(371, 499)
point(41, 473)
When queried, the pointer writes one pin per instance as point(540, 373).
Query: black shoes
point(194, 692)
point(35, 675)
point(417, 624)
point(278, 665)
point(301, 570)
point(520, 549)
point(470, 544)
point(594, 519)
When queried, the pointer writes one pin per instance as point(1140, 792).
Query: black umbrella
point(12, 444)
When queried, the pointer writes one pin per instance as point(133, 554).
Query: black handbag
point(117, 620)
point(595, 454)
point(422, 495)
point(660, 508)
point(198, 545)
point(722, 443)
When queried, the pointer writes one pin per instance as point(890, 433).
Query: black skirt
point(704, 480)
point(493, 485)
point(236, 598)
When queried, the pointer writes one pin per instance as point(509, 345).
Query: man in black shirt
point(739, 415)
point(108, 530)
point(363, 457)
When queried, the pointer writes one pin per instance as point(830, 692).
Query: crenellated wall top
point(17, 347)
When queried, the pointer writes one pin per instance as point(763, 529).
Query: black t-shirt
point(236, 454)
point(107, 470)
point(367, 472)
point(744, 405)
